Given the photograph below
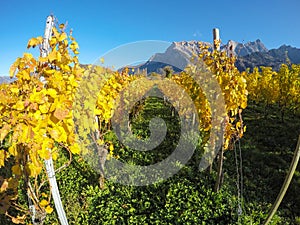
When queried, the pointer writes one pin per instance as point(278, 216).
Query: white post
point(216, 36)
point(98, 127)
point(47, 36)
point(49, 163)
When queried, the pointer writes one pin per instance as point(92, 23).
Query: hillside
point(273, 58)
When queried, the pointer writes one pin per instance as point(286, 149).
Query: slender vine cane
point(286, 183)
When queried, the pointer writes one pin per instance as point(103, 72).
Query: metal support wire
point(31, 208)
point(239, 181)
point(241, 176)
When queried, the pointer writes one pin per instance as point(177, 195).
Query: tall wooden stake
point(216, 42)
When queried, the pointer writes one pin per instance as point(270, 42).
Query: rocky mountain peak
point(178, 54)
point(240, 49)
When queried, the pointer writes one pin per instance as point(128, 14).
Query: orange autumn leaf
point(4, 131)
point(61, 113)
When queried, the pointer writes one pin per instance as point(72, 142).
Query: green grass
point(187, 197)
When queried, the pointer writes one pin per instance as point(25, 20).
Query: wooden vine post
point(216, 44)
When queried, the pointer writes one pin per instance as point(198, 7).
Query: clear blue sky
point(100, 26)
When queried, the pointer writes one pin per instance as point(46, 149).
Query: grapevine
point(36, 120)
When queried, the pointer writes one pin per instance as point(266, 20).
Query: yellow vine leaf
point(244, 105)
point(74, 46)
point(49, 72)
point(37, 97)
point(24, 74)
point(2, 157)
point(53, 41)
point(62, 37)
point(16, 169)
point(54, 133)
point(44, 203)
point(20, 105)
point(100, 141)
point(44, 153)
point(54, 155)
point(33, 169)
point(52, 56)
point(66, 68)
point(13, 68)
point(34, 42)
point(75, 149)
point(15, 90)
point(47, 144)
point(13, 150)
point(111, 147)
point(59, 134)
point(58, 57)
point(44, 108)
point(52, 92)
point(48, 209)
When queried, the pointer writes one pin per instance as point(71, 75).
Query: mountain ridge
point(273, 58)
point(249, 55)
point(6, 79)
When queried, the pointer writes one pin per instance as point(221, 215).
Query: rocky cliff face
point(178, 55)
point(249, 55)
point(273, 58)
point(241, 50)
